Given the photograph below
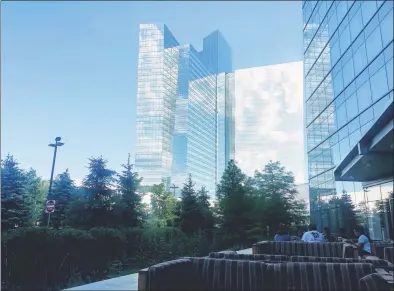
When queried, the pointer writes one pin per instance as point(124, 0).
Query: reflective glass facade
point(348, 83)
point(156, 96)
point(216, 53)
point(225, 122)
point(268, 117)
point(177, 119)
point(195, 146)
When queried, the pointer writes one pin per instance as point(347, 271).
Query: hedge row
point(47, 259)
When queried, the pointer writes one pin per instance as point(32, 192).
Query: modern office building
point(268, 118)
point(185, 106)
point(348, 105)
point(225, 106)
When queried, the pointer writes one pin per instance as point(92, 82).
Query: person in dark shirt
point(328, 235)
point(300, 233)
point(342, 233)
point(282, 234)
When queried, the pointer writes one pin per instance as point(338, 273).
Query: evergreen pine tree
point(191, 217)
point(15, 203)
point(203, 198)
point(61, 192)
point(348, 212)
point(37, 191)
point(131, 207)
point(205, 208)
point(232, 181)
point(99, 184)
point(234, 206)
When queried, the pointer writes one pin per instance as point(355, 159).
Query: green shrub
point(109, 245)
point(77, 252)
point(47, 259)
point(30, 258)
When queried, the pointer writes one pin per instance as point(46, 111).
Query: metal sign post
point(50, 208)
point(49, 219)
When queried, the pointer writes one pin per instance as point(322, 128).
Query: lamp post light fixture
point(174, 188)
point(55, 146)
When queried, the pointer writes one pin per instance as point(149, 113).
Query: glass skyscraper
point(184, 109)
point(225, 106)
point(348, 101)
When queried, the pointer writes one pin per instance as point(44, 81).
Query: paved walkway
point(128, 282)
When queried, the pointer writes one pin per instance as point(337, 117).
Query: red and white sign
point(50, 206)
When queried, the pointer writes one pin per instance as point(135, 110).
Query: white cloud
point(269, 117)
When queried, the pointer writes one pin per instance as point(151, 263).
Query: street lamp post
point(174, 188)
point(55, 146)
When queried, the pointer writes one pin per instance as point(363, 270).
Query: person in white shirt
point(364, 245)
point(312, 235)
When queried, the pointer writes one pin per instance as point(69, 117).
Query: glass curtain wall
point(156, 96)
point(201, 150)
point(348, 81)
point(179, 167)
point(195, 126)
point(230, 119)
point(225, 122)
point(221, 125)
point(177, 100)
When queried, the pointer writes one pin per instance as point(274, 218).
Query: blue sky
point(69, 69)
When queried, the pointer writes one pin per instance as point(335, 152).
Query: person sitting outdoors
point(282, 234)
point(312, 235)
point(295, 238)
point(342, 234)
point(364, 245)
point(300, 233)
point(328, 235)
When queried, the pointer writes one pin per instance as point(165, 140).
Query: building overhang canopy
point(372, 157)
